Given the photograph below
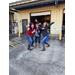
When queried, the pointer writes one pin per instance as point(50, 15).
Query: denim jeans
point(30, 39)
point(63, 32)
point(44, 39)
point(37, 38)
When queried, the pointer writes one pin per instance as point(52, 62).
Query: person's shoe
point(43, 48)
point(29, 48)
point(48, 45)
point(32, 45)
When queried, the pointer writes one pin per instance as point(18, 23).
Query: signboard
point(47, 18)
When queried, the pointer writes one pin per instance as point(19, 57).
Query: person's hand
point(35, 20)
point(43, 28)
point(39, 31)
point(26, 26)
point(54, 21)
point(39, 23)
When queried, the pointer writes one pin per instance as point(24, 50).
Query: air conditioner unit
point(14, 31)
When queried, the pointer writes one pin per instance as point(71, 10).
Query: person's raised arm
point(27, 27)
point(50, 24)
point(29, 23)
point(38, 22)
point(41, 28)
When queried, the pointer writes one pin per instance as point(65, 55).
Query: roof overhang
point(12, 11)
point(34, 4)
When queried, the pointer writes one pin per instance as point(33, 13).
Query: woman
point(45, 34)
point(37, 34)
point(30, 35)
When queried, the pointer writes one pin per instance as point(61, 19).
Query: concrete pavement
point(37, 62)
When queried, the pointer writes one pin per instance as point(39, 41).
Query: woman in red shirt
point(30, 35)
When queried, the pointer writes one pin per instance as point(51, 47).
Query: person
point(45, 34)
point(37, 34)
point(63, 30)
point(30, 35)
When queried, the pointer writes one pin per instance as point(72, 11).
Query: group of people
point(35, 31)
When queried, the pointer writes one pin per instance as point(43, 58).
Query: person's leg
point(29, 39)
point(29, 42)
point(44, 42)
point(35, 41)
point(39, 42)
point(32, 37)
point(62, 33)
point(43, 47)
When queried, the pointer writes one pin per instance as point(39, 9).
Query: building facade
point(53, 10)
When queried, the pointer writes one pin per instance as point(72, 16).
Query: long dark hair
point(30, 25)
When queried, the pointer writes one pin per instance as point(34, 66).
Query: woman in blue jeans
point(37, 35)
point(30, 35)
point(45, 34)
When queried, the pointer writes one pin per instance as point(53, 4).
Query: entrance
point(41, 17)
point(63, 26)
point(24, 22)
point(10, 22)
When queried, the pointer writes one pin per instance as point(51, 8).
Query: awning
point(35, 4)
point(13, 11)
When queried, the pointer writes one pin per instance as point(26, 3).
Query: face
point(32, 26)
point(37, 26)
point(44, 25)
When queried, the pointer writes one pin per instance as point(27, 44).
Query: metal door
point(24, 22)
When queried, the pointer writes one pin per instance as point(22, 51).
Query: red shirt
point(29, 32)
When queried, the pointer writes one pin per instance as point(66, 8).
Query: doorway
point(63, 24)
point(24, 22)
point(10, 23)
point(41, 17)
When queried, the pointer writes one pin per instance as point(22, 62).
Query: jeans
point(30, 39)
point(44, 39)
point(63, 32)
point(37, 38)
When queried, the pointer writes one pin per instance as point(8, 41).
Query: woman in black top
point(45, 34)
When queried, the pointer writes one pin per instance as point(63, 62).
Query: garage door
point(41, 13)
